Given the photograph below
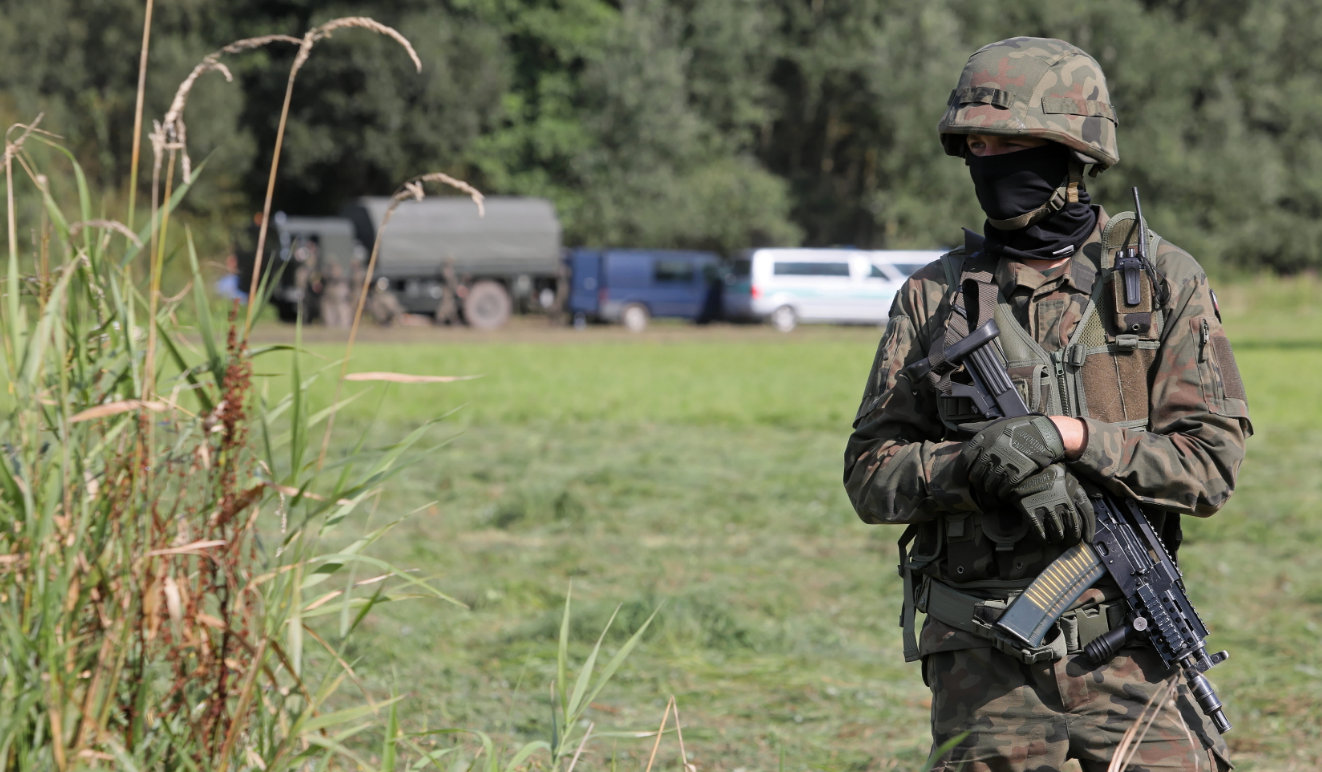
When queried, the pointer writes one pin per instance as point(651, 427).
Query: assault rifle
point(1125, 546)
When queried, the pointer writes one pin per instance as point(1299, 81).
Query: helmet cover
point(1034, 87)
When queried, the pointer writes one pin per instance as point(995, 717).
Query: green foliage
point(680, 123)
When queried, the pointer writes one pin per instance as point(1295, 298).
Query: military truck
point(438, 256)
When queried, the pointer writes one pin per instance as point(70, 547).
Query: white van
point(843, 286)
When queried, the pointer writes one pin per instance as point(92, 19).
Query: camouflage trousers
point(1031, 718)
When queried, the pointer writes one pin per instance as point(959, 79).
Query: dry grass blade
point(360, 22)
point(12, 146)
point(679, 735)
point(672, 706)
point(333, 594)
point(248, 44)
point(111, 225)
point(660, 732)
point(579, 750)
point(1129, 742)
point(411, 189)
point(288, 491)
point(406, 378)
point(212, 62)
point(136, 152)
point(208, 64)
point(170, 133)
point(115, 408)
point(194, 548)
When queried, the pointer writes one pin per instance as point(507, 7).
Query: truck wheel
point(487, 305)
point(784, 319)
point(635, 317)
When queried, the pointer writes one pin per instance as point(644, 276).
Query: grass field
point(697, 471)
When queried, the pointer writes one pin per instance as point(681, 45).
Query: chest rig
point(1102, 372)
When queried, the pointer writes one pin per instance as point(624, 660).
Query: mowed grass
point(698, 471)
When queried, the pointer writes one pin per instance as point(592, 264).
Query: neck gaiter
point(1011, 184)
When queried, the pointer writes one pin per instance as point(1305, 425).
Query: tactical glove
point(1005, 453)
point(1056, 507)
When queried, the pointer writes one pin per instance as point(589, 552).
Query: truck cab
point(303, 256)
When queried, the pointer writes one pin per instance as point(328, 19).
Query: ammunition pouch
point(992, 545)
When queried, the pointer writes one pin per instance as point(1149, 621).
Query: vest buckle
point(1126, 342)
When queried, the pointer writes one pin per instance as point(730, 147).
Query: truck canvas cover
point(516, 236)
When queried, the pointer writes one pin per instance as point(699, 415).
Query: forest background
point(681, 123)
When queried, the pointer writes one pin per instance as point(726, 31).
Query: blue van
point(631, 286)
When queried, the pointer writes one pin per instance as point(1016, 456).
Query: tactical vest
point(1102, 373)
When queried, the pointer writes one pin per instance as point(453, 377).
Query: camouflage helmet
point(1036, 87)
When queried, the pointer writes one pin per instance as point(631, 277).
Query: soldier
point(447, 310)
point(1143, 400)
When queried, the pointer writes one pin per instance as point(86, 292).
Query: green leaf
point(562, 657)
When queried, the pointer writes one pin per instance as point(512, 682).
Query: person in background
point(1142, 401)
point(227, 286)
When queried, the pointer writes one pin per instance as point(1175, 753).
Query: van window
point(673, 270)
point(811, 269)
point(902, 270)
point(741, 268)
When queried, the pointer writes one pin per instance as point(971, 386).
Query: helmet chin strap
point(1067, 193)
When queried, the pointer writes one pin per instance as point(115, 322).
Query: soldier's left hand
point(1056, 507)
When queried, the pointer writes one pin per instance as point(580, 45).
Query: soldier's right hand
point(1056, 507)
point(1008, 451)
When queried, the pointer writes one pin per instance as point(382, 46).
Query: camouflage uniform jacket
point(901, 462)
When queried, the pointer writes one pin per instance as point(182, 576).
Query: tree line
point(693, 124)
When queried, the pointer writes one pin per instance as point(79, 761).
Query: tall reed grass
point(160, 521)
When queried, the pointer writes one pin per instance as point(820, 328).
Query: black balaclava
point(1011, 184)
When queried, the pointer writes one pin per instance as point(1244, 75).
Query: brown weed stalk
point(187, 547)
